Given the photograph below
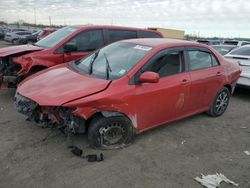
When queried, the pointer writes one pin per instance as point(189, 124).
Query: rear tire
point(220, 103)
point(110, 132)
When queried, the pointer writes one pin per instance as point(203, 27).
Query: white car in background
point(236, 42)
point(14, 36)
point(241, 56)
point(224, 49)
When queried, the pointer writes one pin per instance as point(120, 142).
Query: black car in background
point(209, 42)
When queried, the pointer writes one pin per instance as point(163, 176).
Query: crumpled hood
point(18, 49)
point(56, 86)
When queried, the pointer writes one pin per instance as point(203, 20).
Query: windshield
point(223, 50)
point(244, 51)
point(53, 39)
point(113, 61)
point(37, 32)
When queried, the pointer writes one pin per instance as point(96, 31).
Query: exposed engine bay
point(8, 72)
point(59, 117)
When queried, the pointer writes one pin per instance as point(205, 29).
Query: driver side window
point(167, 64)
point(88, 40)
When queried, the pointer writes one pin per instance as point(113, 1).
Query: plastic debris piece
point(213, 181)
point(247, 152)
point(183, 141)
point(243, 127)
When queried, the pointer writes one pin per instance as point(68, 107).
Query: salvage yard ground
point(170, 156)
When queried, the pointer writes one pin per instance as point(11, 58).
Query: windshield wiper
point(92, 61)
point(108, 68)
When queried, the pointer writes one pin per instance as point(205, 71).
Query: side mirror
point(69, 48)
point(149, 77)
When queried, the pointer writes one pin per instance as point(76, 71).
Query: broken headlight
point(23, 104)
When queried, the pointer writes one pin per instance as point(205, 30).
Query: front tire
point(220, 103)
point(14, 41)
point(110, 132)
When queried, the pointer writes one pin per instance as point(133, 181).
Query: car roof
point(224, 45)
point(21, 32)
point(112, 27)
point(163, 42)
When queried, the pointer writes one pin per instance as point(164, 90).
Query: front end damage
point(49, 116)
point(9, 72)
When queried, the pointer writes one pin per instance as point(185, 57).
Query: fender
point(28, 62)
point(106, 107)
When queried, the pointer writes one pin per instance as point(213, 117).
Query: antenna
point(49, 20)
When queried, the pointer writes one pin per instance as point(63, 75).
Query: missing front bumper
point(50, 116)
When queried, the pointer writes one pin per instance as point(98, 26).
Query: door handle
point(218, 73)
point(184, 82)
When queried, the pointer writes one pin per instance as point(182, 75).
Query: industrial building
point(170, 33)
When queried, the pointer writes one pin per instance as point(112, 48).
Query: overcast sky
point(222, 18)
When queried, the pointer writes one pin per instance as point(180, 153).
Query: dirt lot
point(169, 156)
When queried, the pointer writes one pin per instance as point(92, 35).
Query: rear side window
point(115, 35)
point(88, 40)
point(201, 59)
point(242, 51)
point(148, 34)
point(167, 64)
point(231, 42)
point(22, 33)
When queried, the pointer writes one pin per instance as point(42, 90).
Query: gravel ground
point(169, 156)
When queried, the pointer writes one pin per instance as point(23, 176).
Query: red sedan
point(129, 87)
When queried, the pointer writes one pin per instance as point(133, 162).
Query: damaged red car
point(64, 45)
point(129, 87)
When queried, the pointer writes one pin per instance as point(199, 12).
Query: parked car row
point(223, 42)
point(111, 88)
point(24, 36)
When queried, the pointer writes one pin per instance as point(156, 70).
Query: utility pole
point(49, 20)
point(35, 15)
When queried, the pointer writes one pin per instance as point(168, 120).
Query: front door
point(86, 42)
point(159, 103)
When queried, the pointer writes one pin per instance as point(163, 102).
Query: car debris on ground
point(213, 181)
point(247, 152)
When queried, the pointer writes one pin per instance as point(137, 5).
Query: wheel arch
point(111, 113)
point(37, 68)
point(229, 87)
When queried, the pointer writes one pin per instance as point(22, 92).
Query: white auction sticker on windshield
point(122, 72)
point(145, 48)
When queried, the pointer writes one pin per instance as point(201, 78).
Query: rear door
point(206, 78)
point(86, 42)
point(158, 103)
